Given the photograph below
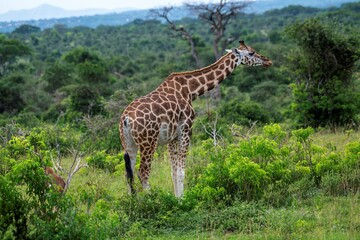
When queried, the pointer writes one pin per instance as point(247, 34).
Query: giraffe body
point(166, 115)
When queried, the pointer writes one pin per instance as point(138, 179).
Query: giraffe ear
point(242, 44)
point(228, 50)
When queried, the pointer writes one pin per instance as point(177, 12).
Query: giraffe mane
point(200, 69)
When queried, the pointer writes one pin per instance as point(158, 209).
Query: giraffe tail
point(129, 172)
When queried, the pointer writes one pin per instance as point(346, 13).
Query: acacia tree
point(325, 92)
point(217, 16)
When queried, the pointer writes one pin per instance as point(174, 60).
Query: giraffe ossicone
point(166, 115)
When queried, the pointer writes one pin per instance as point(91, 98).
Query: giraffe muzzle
point(267, 64)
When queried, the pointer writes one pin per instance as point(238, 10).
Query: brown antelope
point(56, 179)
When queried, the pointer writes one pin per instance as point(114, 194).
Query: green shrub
point(271, 167)
point(63, 220)
point(244, 112)
point(13, 212)
point(104, 161)
point(17, 147)
point(250, 179)
point(325, 92)
point(104, 222)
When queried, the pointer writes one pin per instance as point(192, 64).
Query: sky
point(7, 5)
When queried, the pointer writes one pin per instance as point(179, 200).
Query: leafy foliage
point(11, 99)
point(10, 49)
point(324, 65)
point(258, 167)
point(13, 223)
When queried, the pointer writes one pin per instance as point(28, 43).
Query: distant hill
point(47, 11)
point(46, 16)
point(260, 6)
point(87, 21)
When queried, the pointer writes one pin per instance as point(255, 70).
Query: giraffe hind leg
point(147, 153)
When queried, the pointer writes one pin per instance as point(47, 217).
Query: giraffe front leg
point(180, 170)
point(173, 148)
point(183, 149)
point(178, 173)
point(178, 152)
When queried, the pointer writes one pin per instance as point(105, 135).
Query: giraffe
point(166, 115)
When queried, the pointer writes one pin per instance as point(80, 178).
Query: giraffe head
point(248, 56)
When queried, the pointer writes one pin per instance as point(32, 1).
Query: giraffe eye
point(251, 53)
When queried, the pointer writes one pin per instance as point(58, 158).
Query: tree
point(81, 55)
point(11, 89)
point(243, 113)
point(90, 67)
point(10, 49)
point(324, 92)
point(164, 13)
point(57, 75)
point(217, 16)
point(13, 208)
point(26, 29)
point(86, 100)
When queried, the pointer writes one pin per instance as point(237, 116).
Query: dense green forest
point(278, 156)
point(124, 17)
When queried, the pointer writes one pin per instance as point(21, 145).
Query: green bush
point(11, 89)
point(325, 92)
point(13, 212)
point(244, 112)
point(86, 100)
point(62, 220)
point(104, 161)
point(272, 167)
point(45, 213)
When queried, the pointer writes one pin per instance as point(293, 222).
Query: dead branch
point(240, 131)
point(76, 164)
point(213, 131)
point(164, 14)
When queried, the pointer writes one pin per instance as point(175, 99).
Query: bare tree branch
point(75, 165)
point(240, 131)
point(213, 131)
point(164, 14)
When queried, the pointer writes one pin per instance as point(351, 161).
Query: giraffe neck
point(195, 83)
